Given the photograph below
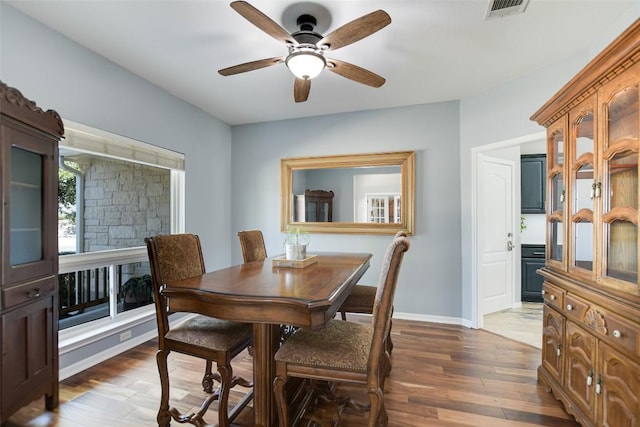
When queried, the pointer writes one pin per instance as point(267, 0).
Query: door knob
point(510, 245)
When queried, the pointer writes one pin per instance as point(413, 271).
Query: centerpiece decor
point(295, 244)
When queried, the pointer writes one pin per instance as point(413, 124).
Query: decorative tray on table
point(294, 263)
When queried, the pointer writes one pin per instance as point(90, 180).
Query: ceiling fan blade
point(301, 89)
point(250, 66)
point(262, 21)
point(356, 30)
point(355, 73)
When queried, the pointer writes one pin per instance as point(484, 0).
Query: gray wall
point(432, 267)
point(86, 88)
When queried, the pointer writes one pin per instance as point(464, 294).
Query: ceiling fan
point(307, 48)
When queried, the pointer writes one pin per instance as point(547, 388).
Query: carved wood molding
point(584, 159)
point(556, 170)
point(28, 111)
point(555, 216)
point(594, 319)
point(621, 213)
point(583, 215)
point(627, 145)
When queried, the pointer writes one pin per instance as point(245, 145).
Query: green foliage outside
point(66, 195)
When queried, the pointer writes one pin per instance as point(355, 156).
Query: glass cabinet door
point(620, 183)
point(25, 216)
point(583, 187)
point(27, 233)
point(556, 196)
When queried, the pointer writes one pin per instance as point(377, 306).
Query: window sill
point(81, 335)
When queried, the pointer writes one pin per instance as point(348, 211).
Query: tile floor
point(522, 324)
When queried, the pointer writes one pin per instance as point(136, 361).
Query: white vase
point(295, 251)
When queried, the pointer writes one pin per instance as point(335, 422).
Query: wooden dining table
point(267, 297)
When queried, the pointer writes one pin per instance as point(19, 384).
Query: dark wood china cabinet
point(314, 206)
point(28, 285)
point(591, 291)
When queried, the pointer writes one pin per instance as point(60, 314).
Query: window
point(383, 208)
point(113, 193)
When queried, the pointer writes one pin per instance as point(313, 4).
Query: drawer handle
point(617, 333)
point(34, 294)
point(569, 307)
point(599, 385)
point(538, 253)
point(544, 292)
point(553, 297)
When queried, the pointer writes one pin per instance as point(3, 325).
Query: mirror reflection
point(365, 193)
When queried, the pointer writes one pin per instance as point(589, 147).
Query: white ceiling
point(433, 50)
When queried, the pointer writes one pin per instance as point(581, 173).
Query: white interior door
point(495, 236)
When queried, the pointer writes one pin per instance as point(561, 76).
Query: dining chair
point(252, 244)
point(176, 257)
point(345, 351)
point(361, 300)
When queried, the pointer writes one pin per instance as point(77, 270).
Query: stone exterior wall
point(124, 203)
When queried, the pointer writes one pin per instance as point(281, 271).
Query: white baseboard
point(433, 319)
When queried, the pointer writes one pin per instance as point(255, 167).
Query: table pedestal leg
point(266, 340)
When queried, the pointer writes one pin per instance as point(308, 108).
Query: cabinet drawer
point(553, 295)
point(532, 251)
point(575, 308)
point(29, 291)
point(623, 333)
point(616, 329)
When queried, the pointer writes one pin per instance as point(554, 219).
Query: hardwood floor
point(443, 376)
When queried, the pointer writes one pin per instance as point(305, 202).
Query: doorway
point(504, 149)
point(496, 207)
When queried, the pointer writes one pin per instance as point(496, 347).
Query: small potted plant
point(295, 243)
point(136, 292)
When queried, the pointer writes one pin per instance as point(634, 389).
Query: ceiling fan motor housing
point(306, 22)
point(307, 36)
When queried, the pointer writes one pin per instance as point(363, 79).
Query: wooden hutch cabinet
point(28, 235)
point(591, 291)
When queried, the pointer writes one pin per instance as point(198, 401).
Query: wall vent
point(500, 8)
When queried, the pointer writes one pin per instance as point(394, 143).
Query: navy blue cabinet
point(533, 185)
point(532, 260)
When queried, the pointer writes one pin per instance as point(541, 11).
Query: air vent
point(500, 8)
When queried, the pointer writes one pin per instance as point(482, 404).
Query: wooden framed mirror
point(365, 193)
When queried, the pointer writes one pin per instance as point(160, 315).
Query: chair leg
point(209, 378)
point(283, 412)
point(164, 416)
point(226, 380)
point(377, 412)
point(343, 315)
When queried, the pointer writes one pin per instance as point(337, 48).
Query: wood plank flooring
point(443, 376)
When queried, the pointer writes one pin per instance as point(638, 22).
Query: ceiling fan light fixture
point(305, 63)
